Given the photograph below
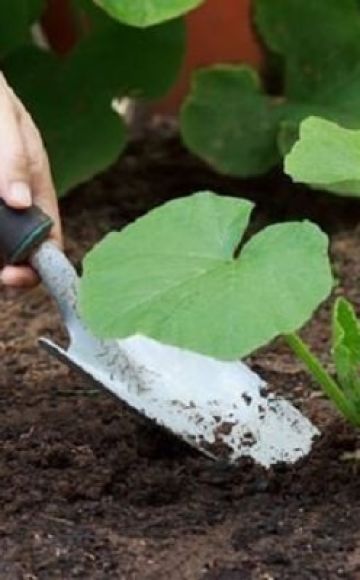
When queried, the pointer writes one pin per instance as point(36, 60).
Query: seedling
point(181, 275)
point(345, 390)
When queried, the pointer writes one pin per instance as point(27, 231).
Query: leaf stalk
point(321, 375)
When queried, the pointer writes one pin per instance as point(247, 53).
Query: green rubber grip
point(21, 231)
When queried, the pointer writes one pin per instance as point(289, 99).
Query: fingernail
point(19, 195)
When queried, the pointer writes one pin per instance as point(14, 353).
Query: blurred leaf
point(144, 13)
point(35, 9)
point(70, 99)
point(230, 122)
point(16, 17)
point(88, 15)
point(141, 63)
point(326, 156)
point(318, 41)
point(287, 136)
point(177, 275)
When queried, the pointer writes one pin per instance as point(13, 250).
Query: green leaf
point(346, 328)
point(16, 17)
point(35, 9)
point(230, 121)
point(346, 350)
point(81, 133)
point(144, 13)
point(326, 156)
point(87, 13)
point(318, 41)
point(177, 275)
point(133, 62)
point(71, 102)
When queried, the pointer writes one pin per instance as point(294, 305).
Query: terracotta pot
point(218, 31)
point(59, 25)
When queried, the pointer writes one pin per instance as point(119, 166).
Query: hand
point(25, 176)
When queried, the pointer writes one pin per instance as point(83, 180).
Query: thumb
point(14, 171)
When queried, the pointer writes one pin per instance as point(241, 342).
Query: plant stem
point(321, 375)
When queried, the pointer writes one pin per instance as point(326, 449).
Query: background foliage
point(146, 12)
point(242, 127)
point(326, 156)
point(231, 118)
point(70, 97)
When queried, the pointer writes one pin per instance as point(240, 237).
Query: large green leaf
point(326, 156)
point(144, 13)
point(70, 99)
point(230, 121)
point(177, 275)
point(16, 17)
point(346, 350)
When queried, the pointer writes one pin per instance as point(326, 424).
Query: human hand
point(25, 176)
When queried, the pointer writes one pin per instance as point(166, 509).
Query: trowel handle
point(23, 238)
point(59, 276)
point(21, 231)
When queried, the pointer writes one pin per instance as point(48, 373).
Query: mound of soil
point(87, 490)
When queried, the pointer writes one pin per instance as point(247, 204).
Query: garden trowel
point(221, 408)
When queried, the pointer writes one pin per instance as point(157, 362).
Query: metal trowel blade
point(221, 408)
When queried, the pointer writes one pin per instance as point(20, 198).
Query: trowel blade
point(222, 408)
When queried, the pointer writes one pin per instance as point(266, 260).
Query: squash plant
point(70, 97)
point(344, 390)
point(235, 123)
point(183, 275)
point(327, 156)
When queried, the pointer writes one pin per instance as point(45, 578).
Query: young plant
point(327, 156)
point(182, 274)
point(231, 122)
point(70, 97)
point(345, 390)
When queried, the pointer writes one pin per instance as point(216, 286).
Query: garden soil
point(89, 491)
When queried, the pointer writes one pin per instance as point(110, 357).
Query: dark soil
point(89, 491)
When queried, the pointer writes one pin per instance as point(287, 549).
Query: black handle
point(21, 231)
